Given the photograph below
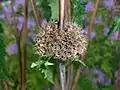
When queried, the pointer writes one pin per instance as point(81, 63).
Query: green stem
point(23, 48)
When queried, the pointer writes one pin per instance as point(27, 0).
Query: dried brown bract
point(67, 44)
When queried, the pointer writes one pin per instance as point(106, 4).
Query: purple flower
point(100, 77)
point(17, 4)
point(20, 2)
point(20, 23)
point(12, 49)
point(31, 38)
point(107, 81)
point(89, 7)
point(2, 16)
point(98, 20)
point(92, 35)
point(96, 76)
point(44, 21)
point(109, 4)
point(113, 37)
point(7, 10)
point(31, 24)
point(106, 30)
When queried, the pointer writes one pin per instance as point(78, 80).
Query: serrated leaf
point(48, 74)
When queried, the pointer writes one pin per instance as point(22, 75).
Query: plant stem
point(68, 14)
point(117, 81)
point(5, 85)
point(56, 85)
point(69, 77)
point(68, 18)
point(62, 75)
point(74, 86)
point(93, 18)
point(76, 79)
point(84, 56)
point(61, 26)
point(23, 48)
point(36, 13)
point(13, 13)
point(61, 13)
point(116, 65)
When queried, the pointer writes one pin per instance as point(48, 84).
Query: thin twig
point(93, 18)
point(74, 86)
point(76, 79)
point(117, 81)
point(36, 13)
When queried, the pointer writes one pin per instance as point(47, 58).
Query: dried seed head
point(67, 44)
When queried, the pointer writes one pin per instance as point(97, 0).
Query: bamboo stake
point(61, 26)
point(23, 47)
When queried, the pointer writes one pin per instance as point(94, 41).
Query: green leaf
point(85, 84)
point(34, 65)
point(47, 71)
point(48, 74)
point(81, 62)
point(54, 9)
point(48, 63)
point(45, 9)
point(37, 64)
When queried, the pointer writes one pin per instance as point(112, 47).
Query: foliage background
point(101, 54)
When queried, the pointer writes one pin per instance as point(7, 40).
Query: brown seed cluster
point(67, 44)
